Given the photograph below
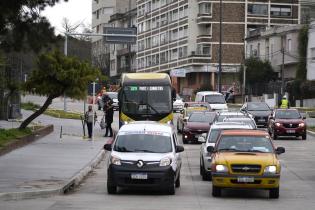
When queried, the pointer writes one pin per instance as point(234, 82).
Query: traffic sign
point(120, 35)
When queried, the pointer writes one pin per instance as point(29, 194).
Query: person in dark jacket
point(109, 115)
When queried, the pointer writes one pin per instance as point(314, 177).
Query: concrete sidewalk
point(51, 165)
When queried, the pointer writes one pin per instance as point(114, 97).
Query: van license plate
point(139, 176)
point(245, 179)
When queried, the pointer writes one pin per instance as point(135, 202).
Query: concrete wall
point(306, 102)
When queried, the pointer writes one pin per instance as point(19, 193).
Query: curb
point(67, 186)
point(20, 142)
point(311, 133)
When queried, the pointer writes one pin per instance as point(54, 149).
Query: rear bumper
point(231, 181)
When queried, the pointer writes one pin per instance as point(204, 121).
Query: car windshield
point(152, 100)
point(288, 114)
point(245, 144)
point(143, 143)
point(258, 107)
point(201, 117)
point(215, 99)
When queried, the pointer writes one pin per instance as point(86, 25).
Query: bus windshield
point(152, 100)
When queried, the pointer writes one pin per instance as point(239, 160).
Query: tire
point(177, 182)
point(216, 191)
point(201, 168)
point(304, 137)
point(111, 188)
point(274, 193)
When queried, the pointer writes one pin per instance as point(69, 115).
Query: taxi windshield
point(143, 143)
point(245, 144)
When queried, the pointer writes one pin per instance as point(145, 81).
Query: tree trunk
point(28, 120)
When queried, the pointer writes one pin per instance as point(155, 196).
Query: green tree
point(56, 75)
point(303, 39)
point(257, 71)
point(22, 26)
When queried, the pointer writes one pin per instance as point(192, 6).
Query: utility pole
point(220, 52)
point(66, 54)
point(282, 66)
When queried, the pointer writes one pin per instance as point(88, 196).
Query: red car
point(286, 122)
point(197, 123)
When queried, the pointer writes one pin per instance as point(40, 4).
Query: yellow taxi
point(245, 159)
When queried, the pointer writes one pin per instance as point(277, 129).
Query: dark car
point(260, 111)
point(197, 123)
point(287, 122)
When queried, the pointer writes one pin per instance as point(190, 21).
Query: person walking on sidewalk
point(109, 115)
point(89, 120)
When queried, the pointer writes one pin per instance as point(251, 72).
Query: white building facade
point(311, 52)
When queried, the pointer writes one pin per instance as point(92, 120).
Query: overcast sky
point(75, 10)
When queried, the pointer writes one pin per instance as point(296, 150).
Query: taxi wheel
point(111, 188)
point(216, 191)
point(177, 183)
point(274, 193)
point(304, 137)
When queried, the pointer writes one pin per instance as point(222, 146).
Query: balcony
point(125, 51)
point(204, 38)
point(204, 19)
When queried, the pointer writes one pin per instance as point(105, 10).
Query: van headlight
point(165, 161)
point(221, 168)
point(115, 160)
point(270, 170)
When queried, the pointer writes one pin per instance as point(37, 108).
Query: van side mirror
point(179, 148)
point(108, 147)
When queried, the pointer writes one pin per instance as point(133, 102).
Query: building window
point(174, 15)
point(313, 54)
point(289, 45)
point(148, 42)
point(163, 2)
point(257, 9)
point(141, 10)
point(155, 4)
point(163, 19)
point(163, 38)
point(182, 52)
point(148, 25)
point(174, 54)
point(155, 59)
point(155, 40)
point(174, 34)
point(205, 8)
point(204, 49)
point(148, 60)
point(148, 7)
point(164, 57)
point(280, 10)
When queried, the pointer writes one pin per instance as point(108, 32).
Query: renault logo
point(140, 164)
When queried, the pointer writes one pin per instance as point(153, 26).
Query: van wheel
point(216, 191)
point(274, 193)
point(177, 183)
point(111, 188)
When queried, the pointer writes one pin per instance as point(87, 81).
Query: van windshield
point(215, 99)
point(143, 143)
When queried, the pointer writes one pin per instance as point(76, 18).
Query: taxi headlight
point(165, 162)
point(278, 124)
point(125, 122)
point(270, 170)
point(221, 168)
point(301, 124)
point(115, 160)
point(170, 122)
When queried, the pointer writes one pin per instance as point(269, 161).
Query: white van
point(216, 100)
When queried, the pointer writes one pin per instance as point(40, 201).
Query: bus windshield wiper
point(157, 112)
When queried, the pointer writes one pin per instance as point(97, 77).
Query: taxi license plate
point(290, 131)
point(245, 179)
point(139, 176)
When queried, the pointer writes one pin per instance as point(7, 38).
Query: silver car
point(210, 139)
point(144, 154)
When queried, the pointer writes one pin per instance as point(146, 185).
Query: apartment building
point(279, 45)
point(102, 10)
point(123, 56)
point(307, 11)
point(182, 36)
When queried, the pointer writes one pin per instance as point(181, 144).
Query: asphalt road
point(297, 188)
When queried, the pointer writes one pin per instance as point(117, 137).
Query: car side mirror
point(210, 149)
point(179, 148)
point(280, 150)
point(108, 147)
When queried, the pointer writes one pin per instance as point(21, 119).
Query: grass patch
point(8, 135)
point(62, 114)
point(30, 106)
point(311, 129)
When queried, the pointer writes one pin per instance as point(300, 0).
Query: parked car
point(197, 123)
point(210, 140)
point(260, 111)
point(144, 154)
point(223, 115)
point(246, 119)
point(216, 100)
point(245, 159)
point(287, 122)
point(178, 104)
point(190, 107)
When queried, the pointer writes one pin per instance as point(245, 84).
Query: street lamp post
point(220, 52)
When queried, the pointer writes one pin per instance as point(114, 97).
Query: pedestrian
point(284, 103)
point(105, 99)
point(109, 115)
point(89, 120)
point(229, 92)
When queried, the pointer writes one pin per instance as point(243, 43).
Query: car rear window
point(287, 114)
